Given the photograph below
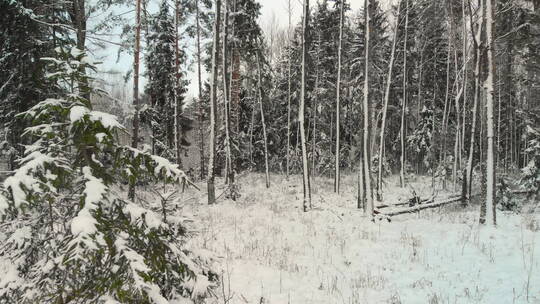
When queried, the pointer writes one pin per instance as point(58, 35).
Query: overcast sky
point(278, 8)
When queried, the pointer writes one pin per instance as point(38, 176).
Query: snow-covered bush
point(530, 174)
point(71, 236)
point(506, 201)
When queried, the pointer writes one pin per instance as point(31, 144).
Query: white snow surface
point(272, 252)
point(108, 121)
point(77, 113)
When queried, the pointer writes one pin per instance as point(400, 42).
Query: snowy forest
point(200, 151)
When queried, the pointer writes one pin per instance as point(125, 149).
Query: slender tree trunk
point(226, 98)
point(314, 133)
point(457, 97)
point(476, 100)
point(465, 74)
point(78, 17)
point(489, 85)
point(473, 126)
point(201, 103)
point(366, 140)
point(499, 120)
point(420, 83)
point(404, 102)
point(213, 106)
point(361, 202)
point(177, 103)
point(289, 59)
point(305, 165)
point(261, 108)
point(234, 99)
point(251, 128)
point(338, 97)
point(135, 136)
point(385, 109)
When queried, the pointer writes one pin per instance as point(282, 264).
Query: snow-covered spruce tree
point(71, 236)
point(530, 174)
point(420, 141)
point(23, 40)
point(243, 44)
point(161, 74)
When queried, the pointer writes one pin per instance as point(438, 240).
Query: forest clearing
point(272, 252)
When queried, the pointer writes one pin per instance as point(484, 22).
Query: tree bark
point(261, 108)
point(476, 100)
point(226, 100)
point(366, 140)
point(489, 85)
point(385, 109)
point(177, 103)
point(289, 91)
point(213, 106)
point(404, 102)
point(338, 98)
point(305, 164)
point(199, 79)
point(135, 135)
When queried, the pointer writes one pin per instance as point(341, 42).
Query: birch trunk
point(366, 157)
point(177, 104)
point(261, 108)
point(477, 55)
point(289, 59)
point(314, 133)
point(465, 78)
point(199, 79)
point(305, 169)
point(385, 108)
point(226, 100)
point(489, 85)
point(338, 97)
point(135, 138)
point(404, 102)
point(213, 106)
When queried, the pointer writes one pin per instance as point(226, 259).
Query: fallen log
point(401, 204)
point(421, 207)
point(408, 202)
point(521, 191)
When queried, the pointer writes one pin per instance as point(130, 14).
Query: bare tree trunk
point(213, 106)
point(199, 79)
point(235, 82)
point(135, 136)
point(261, 108)
point(499, 120)
point(366, 157)
point(442, 157)
point(465, 78)
point(361, 201)
point(385, 108)
point(404, 102)
point(177, 103)
point(420, 82)
point(477, 55)
point(226, 100)
point(78, 18)
point(338, 97)
point(305, 166)
point(314, 133)
point(251, 127)
point(489, 85)
point(457, 97)
point(289, 59)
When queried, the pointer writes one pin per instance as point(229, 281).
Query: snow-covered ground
point(272, 252)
